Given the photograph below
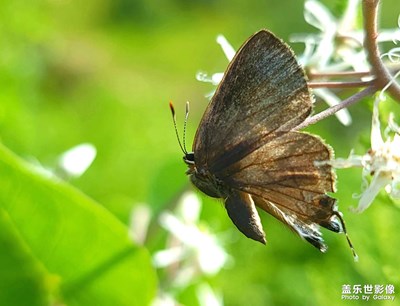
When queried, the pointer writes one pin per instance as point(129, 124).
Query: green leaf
point(57, 245)
point(20, 272)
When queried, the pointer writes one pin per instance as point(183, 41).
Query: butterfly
point(247, 153)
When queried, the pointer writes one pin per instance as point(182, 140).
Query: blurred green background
point(103, 72)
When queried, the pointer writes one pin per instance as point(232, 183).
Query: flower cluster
point(382, 161)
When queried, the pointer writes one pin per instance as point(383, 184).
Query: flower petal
point(379, 181)
point(376, 137)
point(349, 16)
point(169, 256)
point(318, 15)
point(226, 47)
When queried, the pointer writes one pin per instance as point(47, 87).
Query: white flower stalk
point(382, 162)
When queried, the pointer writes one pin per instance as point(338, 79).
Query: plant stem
point(383, 77)
point(342, 74)
point(340, 84)
point(333, 109)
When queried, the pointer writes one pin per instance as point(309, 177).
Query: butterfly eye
point(189, 158)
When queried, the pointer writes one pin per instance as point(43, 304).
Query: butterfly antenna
point(355, 256)
point(183, 148)
point(184, 126)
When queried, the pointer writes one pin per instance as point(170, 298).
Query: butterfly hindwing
point(286, 171)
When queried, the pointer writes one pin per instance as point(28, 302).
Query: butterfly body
point(204, 180)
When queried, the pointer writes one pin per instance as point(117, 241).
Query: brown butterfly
point(246, 152)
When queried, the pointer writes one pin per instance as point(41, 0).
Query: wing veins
point(273, 159)
point(287, 186)
point(295, 212)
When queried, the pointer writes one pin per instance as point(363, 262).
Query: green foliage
point(59, 245)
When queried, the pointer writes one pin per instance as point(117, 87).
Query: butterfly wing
point(283, 177)
point(263, 90)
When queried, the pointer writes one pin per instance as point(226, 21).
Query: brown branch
point(343, 74)
point(382, 75)
point(340, 84)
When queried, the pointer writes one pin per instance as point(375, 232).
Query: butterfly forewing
point(263, 90)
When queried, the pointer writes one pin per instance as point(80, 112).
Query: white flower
point(382, 162)
point(194, 248)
